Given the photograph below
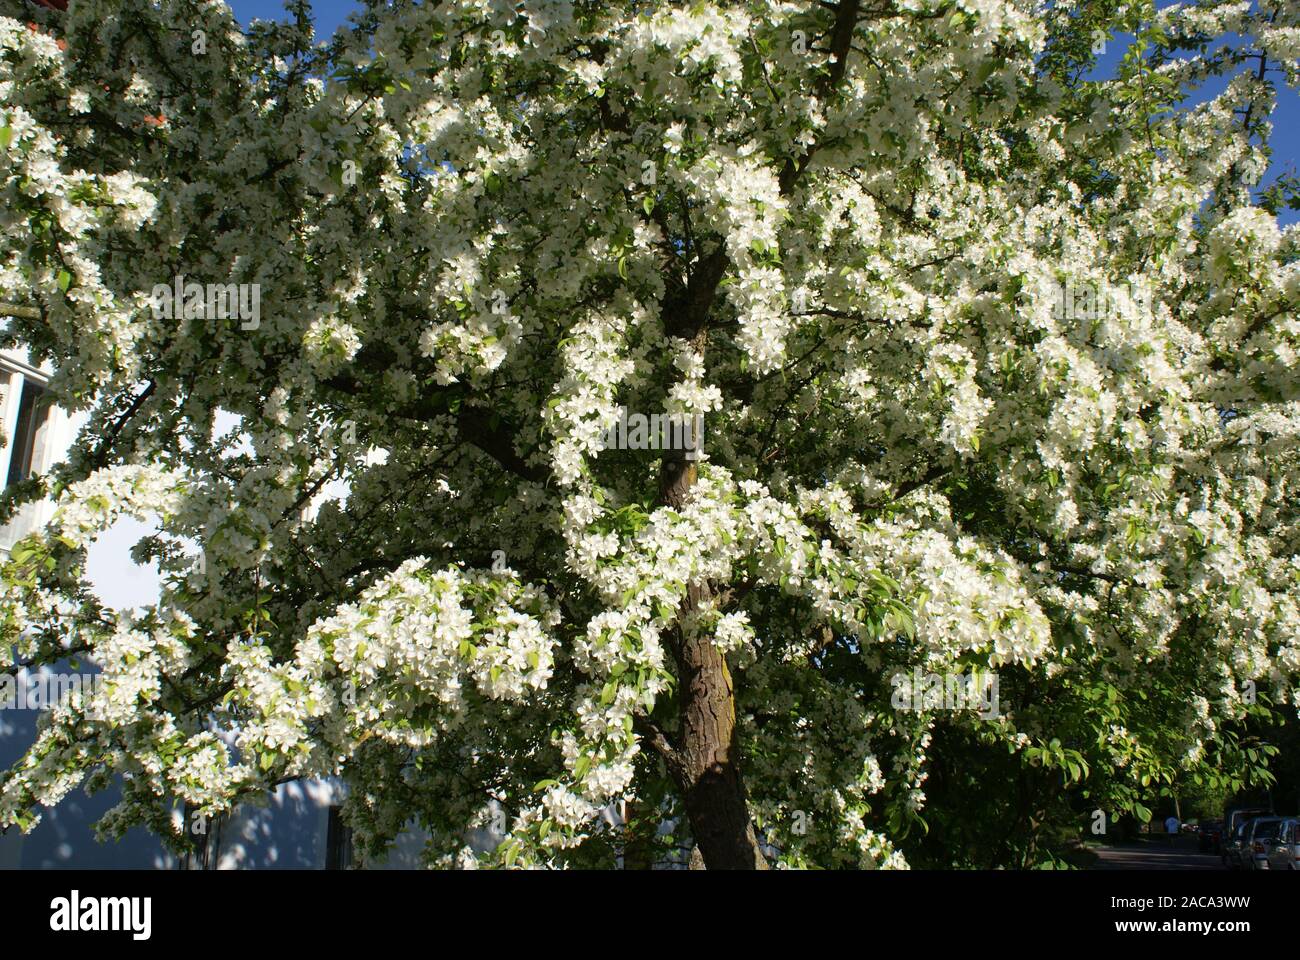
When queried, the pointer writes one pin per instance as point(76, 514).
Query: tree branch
point(846, 20)
point(659, 742)
point(23, 313)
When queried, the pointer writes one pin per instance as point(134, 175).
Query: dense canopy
point(996, 363)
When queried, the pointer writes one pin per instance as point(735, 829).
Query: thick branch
point(659, 742)
point(497, 441)
point(846, 19)
point(23, 313)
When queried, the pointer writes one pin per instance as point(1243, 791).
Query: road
point(1155, 855)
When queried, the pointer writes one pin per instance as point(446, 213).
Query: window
point(29, 436)
point(338, 842)
point(27, 451)
point(204, 835)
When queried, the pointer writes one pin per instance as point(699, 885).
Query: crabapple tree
point(994, 358)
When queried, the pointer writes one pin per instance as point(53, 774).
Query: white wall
point(289, 832)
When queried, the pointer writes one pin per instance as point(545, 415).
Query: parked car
point(1234, 825)
point(1261, 837)
point(1231, 852)
point(1284, 853)
point(1210, 835)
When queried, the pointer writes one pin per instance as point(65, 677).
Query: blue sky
point(329, 13)
point(1286, 135)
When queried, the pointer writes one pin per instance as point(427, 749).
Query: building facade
point(298, 828)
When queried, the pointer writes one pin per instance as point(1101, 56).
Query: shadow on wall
point(65, 837)
point(289, 832)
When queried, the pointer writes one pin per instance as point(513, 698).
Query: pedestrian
point(1172, 827)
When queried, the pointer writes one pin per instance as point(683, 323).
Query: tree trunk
point(712, 786)
point(705, 762)
point(708, 767)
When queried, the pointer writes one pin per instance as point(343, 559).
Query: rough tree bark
point(705, 760)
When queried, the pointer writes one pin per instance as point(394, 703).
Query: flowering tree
point(996, 368)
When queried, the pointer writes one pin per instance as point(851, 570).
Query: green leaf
point(6, 137)
point(65, 280)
